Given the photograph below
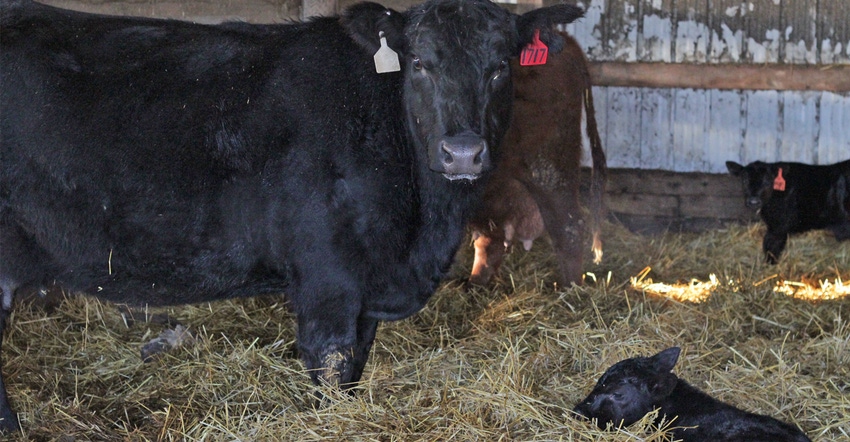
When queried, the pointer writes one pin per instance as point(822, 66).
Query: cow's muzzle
point(463, 156)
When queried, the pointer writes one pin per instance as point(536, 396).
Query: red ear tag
point(779, 182)
point(535, 53)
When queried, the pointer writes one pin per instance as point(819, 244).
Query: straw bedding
point(502, 363)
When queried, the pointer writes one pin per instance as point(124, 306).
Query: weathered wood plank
point(726, 25)
point(835, 78)
point(656, 134)
point(761, 140)
point(643, 204)
point(600, 102)
point(620, 31)
point(833, 31)
point(659, 182)
point(689, 130)
point(258, 11)
point(799, 126)
point(834, 139)
point(622, 129)
point(713, 206)
point(692, 34)
point(725, 130)
point(799, 32)
point(655, 31)
point(762, 31)
point(588, 30)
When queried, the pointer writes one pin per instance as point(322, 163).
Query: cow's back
point(152, 148)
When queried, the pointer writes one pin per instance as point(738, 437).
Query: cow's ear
point(365, 22)
point(545, 20)
point(734, 168)
point(665, 360)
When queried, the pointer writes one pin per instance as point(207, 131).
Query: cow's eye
point(417, 63)
point(503, 66)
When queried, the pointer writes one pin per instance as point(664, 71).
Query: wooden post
point(316, 8)
point(833, 78)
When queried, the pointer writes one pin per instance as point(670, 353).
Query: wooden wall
point(666, 145)
point(697, 130)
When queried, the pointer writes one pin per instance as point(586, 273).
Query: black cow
point(162, 162)
point(633, 387)
point(796, 198)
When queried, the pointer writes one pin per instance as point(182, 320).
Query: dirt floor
point(503, 363)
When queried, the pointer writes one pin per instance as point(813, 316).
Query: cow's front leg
point(327, 337)
point(366, 329)
point(326, 342)
point(773, 245)
point(8, 418)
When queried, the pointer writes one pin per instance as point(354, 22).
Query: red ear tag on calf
point(535, 53)
point(779, 182)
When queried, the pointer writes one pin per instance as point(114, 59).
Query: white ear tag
point(386, 59)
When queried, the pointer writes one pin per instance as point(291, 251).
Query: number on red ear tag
point(779, 182)
point(535, 53)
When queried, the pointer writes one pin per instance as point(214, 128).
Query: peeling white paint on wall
point(587, 30)
point(726, 47)
point(691, 42)
point(698, 130)
point(765, 51)
point(657, 39)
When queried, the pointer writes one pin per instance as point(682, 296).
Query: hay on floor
point(507, 362)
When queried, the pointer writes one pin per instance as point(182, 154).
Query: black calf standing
point(635, 386)
point(796, 198)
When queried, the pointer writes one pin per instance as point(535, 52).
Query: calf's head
point(757, 179)
point(630, 389)
point(454, 58)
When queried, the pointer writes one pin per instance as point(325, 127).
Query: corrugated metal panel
point(690, 130)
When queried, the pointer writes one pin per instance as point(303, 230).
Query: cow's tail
point(599, 171)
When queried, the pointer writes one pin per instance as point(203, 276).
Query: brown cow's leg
point(562, 218)
point(489, 254)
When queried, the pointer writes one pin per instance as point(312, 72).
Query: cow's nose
point(463, 156)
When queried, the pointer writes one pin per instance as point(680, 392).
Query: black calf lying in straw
point(796, 198)
point(633, 387)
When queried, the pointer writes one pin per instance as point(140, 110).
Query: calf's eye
point(417, 63)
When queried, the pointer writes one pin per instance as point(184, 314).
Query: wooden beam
point(834, 78)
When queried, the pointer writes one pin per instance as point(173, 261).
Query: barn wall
point(697, 130)
point(199, 11)
point(666, 147)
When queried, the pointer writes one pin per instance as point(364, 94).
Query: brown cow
point(535, 187)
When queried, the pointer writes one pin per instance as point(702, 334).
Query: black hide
point(633, 387)
point(162, 162)
point(814, 197)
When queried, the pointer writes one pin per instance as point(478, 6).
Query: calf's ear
point(545, 19)
point(366, 22)
point(665, 360)
point(734, 168)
